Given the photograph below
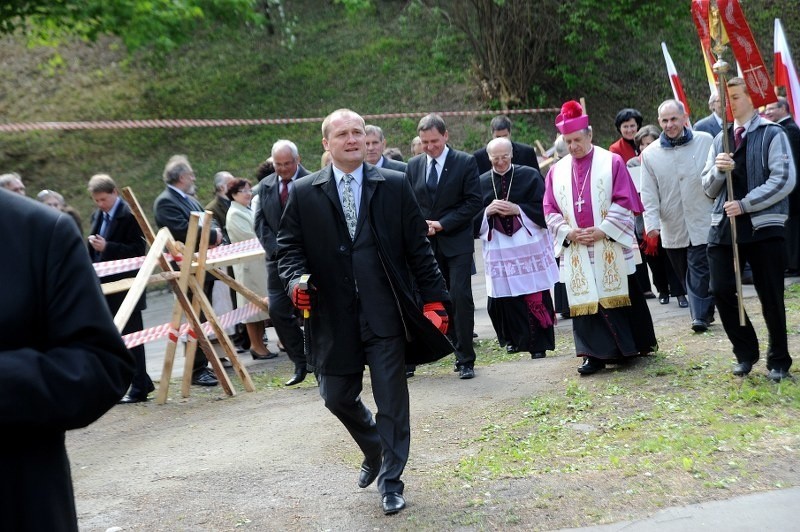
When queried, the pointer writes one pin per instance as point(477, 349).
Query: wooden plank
point(141, 280)
point(238, 258)
point(121, 285)
point(257, 300)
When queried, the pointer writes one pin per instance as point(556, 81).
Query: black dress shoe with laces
point(393, 503)
point(683, 302)
point(591, 365)
point(512, 349)
point(538, 354)
point(130, 398)
point(298, 377)
point(205, 378)
point(742, 368)
point(369, 472)
point(663, 298)
point(699, 326)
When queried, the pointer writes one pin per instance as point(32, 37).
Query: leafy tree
point(161, 24)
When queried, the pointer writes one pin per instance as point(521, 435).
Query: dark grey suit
point(281, 310)
point(391, 164)
point(708, 124)
point(455, 204)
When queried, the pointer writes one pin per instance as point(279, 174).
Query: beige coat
point(252, 274)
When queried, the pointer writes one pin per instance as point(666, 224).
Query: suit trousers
point(281, 311)
point(457, 272)
point(767, 263)
point(389, 434)
point(141, 383)
point(691, 267)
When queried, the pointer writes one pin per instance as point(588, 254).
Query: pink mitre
point(571, 118)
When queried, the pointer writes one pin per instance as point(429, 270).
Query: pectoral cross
point(580, 203)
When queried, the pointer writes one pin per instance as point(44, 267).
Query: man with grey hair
point(220, 204)
point(676, 208)
point(12, 182)
point(274, 192)
point(522, 154)
point(712, 124)
point(172, 209)
point(376, 145)
point(445, 182)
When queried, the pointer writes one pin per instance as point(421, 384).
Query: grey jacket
point(770, 176)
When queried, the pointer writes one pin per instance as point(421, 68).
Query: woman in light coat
point(253, 274)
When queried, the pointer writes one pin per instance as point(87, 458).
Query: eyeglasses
point(498, 158)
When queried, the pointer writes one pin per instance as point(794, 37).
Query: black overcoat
point(313, 239)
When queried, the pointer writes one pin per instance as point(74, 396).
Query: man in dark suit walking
point(358, 231)
point(116, 235)
point(274, 192)
point(445, 182)
point(172, 210)
point(62, 360)
point(376, 145)
point(521, 154)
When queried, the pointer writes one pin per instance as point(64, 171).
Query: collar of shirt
point(746, 125)
point(114, 208)
point(439, 160)
point(183, 194)
point(379, 164)
point(717, 118)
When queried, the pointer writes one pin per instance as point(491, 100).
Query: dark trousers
point(457, 271)
point(691, 267)
point(664, 276)
point(389, 434)
point(141, 383)
point(767, 263)
point(281, 311)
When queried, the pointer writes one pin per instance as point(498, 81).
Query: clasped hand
point(502, 208)
point(586, 235)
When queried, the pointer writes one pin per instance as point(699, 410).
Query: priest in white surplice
point(589, 204)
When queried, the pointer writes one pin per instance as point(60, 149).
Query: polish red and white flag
point(785, 73)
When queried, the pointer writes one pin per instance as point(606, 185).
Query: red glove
point(437, 315)
point(650, 245)
point(301, 298)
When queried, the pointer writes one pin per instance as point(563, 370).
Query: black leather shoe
point(538, 354)
point(298, 377)
point(699, 326)
point(205, 378)
point(777, 375)
point(742, 368)
point(591, 365)
point(269, 354)
point(682, 302)
point(663, 298)
point(409, 373)
point(466, 372)
point(393, 503)
point(512, 349)
point(369, 472)
point(129, 398)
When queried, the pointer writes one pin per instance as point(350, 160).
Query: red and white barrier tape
point(112, 267)
point(227, 122)
point(165, 330)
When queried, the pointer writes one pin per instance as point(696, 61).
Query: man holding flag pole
point(749, 174)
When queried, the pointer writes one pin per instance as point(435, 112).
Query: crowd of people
point(374, 255)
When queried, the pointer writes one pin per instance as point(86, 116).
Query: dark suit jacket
point(313, 239)
point(521, 154)
point(391, 164)
point(219, 206)
point(172, 211)
point(708, 124)
point(124, 240)
point(268, 216)
point(457, 199)
point(62, 359)
point(793, 132)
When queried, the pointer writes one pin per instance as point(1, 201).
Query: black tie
point(433, 179)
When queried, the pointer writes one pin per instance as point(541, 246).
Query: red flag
point(746, 53)
point(785, 73)
point(700, 18)
point(675, 80)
